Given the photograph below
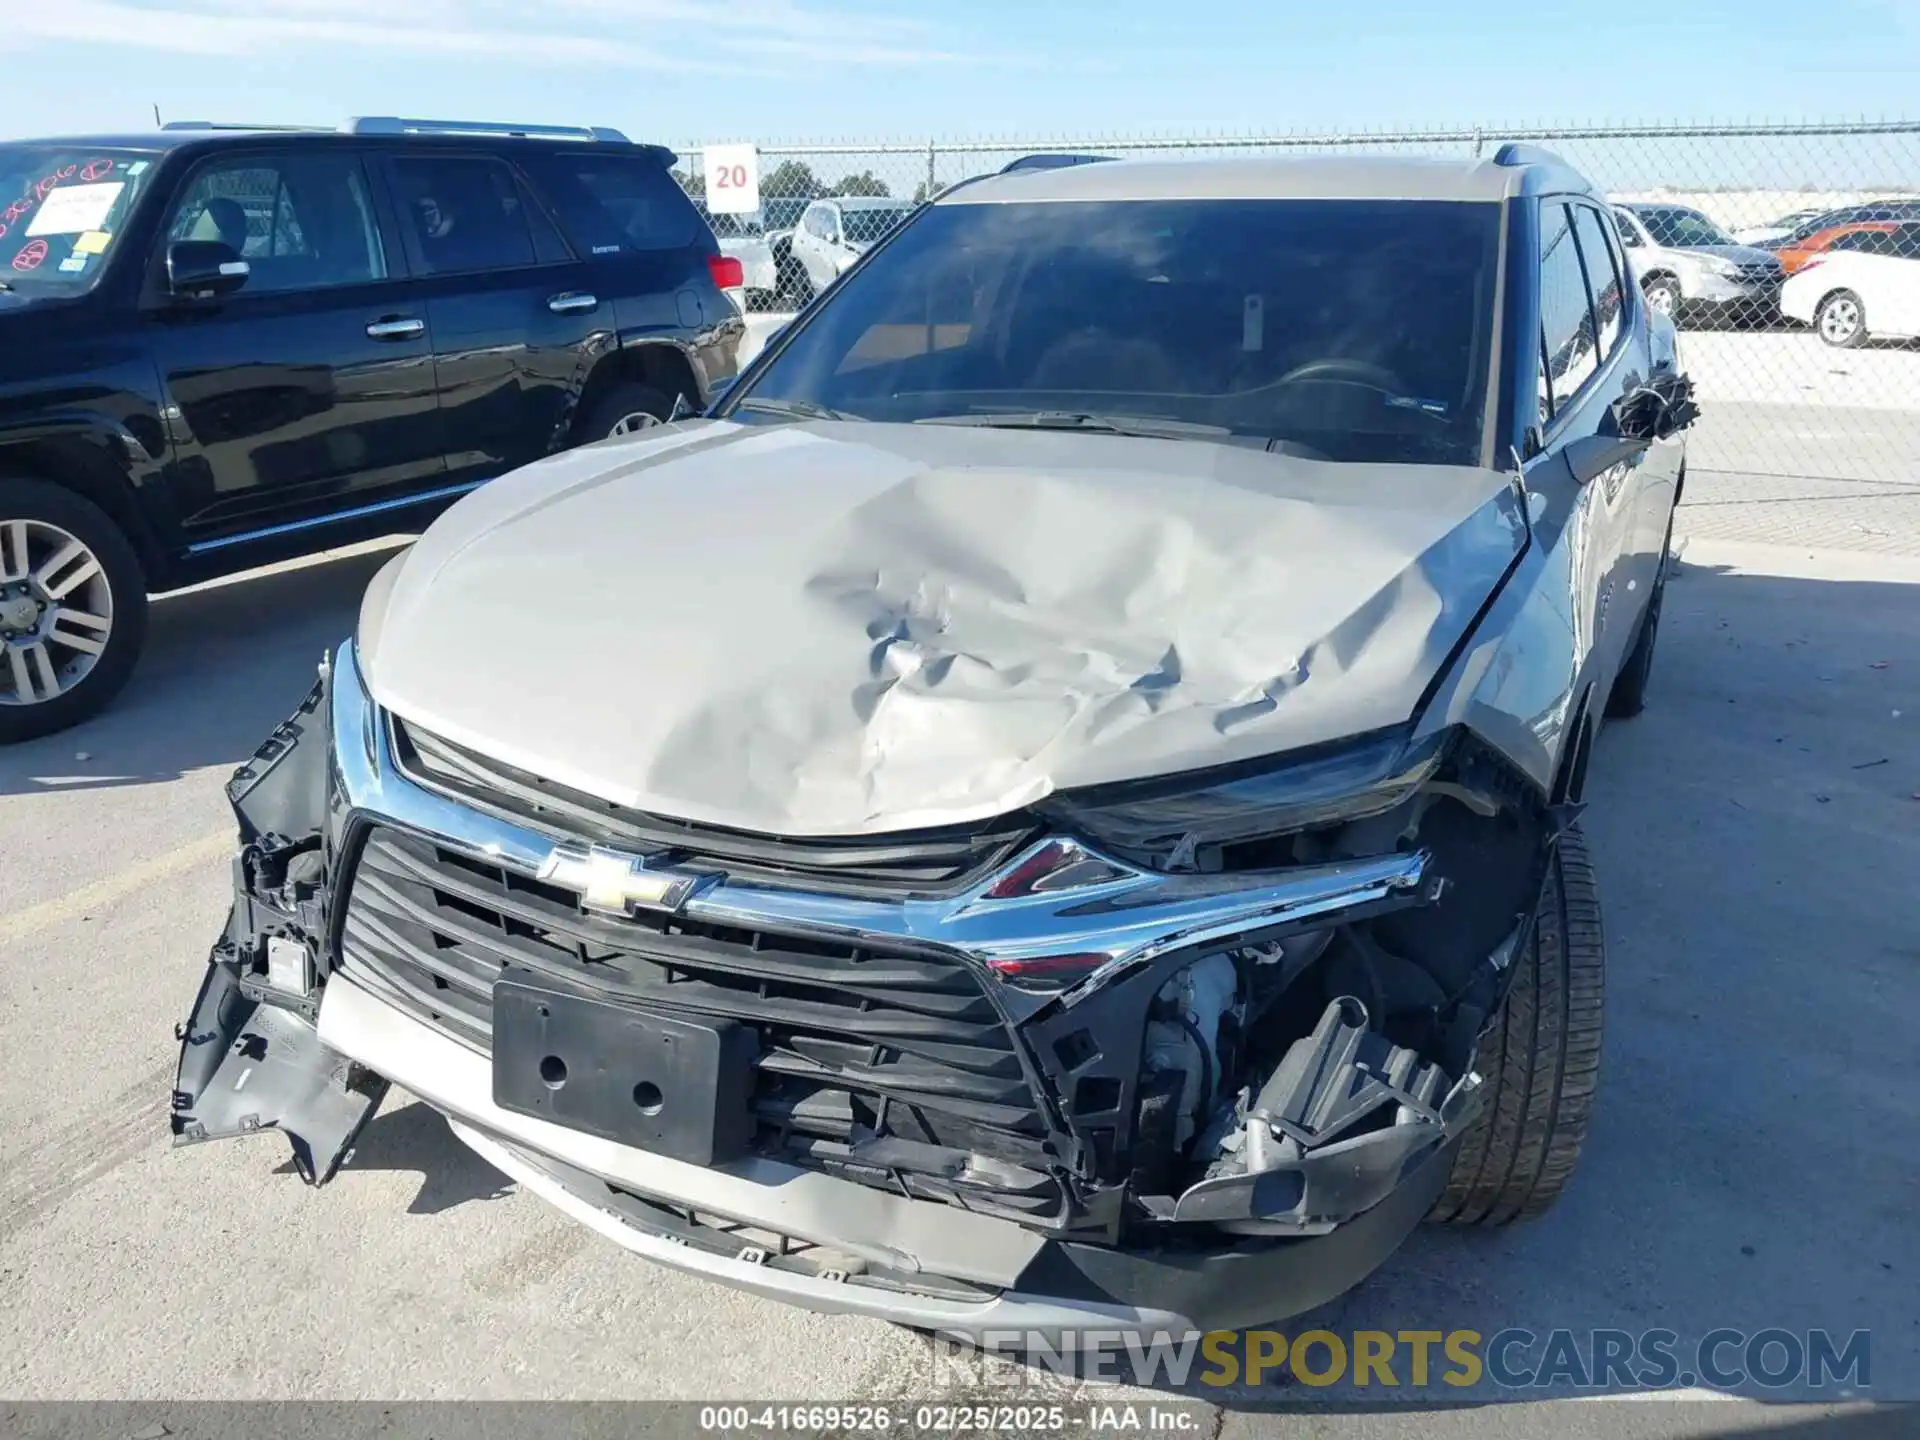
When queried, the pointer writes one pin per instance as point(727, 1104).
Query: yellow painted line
point(88, 898)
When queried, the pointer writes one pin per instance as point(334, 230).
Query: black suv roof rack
point(399, 125)
point(233, 125)
point(402, 125)
point(1516, 153)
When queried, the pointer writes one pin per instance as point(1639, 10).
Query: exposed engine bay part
point(1401, 998)
point(1330, 1132)
point(1183, 1038)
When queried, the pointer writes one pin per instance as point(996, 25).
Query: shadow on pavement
point(224, 664)
point(414, 1139)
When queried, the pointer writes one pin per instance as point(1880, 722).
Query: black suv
point(223, 346)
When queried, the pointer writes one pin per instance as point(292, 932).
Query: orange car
point(1797, 254)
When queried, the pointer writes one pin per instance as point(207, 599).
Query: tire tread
point(1543, 1052)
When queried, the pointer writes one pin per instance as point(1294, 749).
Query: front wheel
point(73, 609)
point(1841, 320)
point(626, 409)
point(796, 285)
point(1663, 296)
point(1540, 1059)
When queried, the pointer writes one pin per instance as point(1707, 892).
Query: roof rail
point(1051, 162)
point(1515, 153)
point(233, 125)
point(397, 125)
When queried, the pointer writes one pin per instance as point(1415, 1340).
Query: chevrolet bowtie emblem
point(614, 883)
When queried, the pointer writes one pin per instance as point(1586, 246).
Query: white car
point(835, 232)
point(1867, 284)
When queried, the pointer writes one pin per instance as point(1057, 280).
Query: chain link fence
point(1789, 254)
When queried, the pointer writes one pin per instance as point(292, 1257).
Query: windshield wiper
point(1147, 426)
point(795, 409)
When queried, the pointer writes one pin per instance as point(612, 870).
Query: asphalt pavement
point(1755, 1161)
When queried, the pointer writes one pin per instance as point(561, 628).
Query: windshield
point(863, 227)
point(1683, 229)
point(61, 212)
point(1350, 329)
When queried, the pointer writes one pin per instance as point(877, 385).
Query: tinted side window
point(462, 213)
point(1628, 235)
point(1566, 321)
point(612, 204)
point(302, 221)
point(1603, 276)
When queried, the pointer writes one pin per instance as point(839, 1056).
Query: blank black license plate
point(680, 1088)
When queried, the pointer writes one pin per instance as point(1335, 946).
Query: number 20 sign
point(733, 178)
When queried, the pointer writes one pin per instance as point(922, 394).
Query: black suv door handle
point(397, 327)
point(573, 302)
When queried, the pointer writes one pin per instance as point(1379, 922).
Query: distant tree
point(792, 180)
point(865, 183)
point(921, 194)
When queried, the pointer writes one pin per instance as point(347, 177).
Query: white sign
point(733, 179)
point(69, 209)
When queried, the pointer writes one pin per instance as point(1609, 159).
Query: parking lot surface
point(1755, 1160)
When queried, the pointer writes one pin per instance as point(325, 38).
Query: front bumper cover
point(260, 1053)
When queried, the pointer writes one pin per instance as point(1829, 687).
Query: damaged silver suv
point(1054, 803)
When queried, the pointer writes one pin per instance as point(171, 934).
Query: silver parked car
point(834, 233)
point(1054, 805)
point(1687, 264)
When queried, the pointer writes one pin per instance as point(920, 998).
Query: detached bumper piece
point(250, 1060)
point(1332, 1133)
point(246, 1067)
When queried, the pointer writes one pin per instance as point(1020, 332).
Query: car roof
point(163, 141)
point(868, 202)
point(1342, 177)
point(1643, 207)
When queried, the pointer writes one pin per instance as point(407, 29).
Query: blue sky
point(682, 70)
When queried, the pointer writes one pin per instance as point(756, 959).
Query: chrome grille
point(934, 862)
point(887, 1066)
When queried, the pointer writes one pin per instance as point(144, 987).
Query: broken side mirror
point(1640, 414)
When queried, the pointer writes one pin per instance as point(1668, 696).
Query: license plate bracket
point(677, 1087)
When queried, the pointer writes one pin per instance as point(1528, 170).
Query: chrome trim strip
point(1126, 914)
point(379, 507)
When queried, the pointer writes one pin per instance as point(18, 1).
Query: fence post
point(1478, 141)
point(929, 194)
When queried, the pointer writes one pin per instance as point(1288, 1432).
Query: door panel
point(285, 407)
point(1608, 566)
point(1894, 283)
point(516, 320)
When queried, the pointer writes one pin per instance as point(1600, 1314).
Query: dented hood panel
point(846, 628)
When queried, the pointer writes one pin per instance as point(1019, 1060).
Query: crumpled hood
point(847, 628)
